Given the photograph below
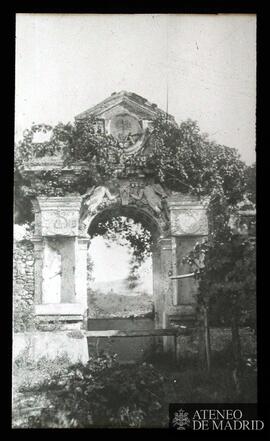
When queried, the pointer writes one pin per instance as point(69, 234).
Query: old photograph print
point(134, 253)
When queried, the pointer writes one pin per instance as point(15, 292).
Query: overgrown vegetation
point(179, 156)
point(101, 393)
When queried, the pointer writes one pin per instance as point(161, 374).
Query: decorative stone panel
point(59, 215)
point(188, 216)
point(189, 222)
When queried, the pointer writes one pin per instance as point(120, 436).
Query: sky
point(202, 66)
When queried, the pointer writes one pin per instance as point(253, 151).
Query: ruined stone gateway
point(64, 226)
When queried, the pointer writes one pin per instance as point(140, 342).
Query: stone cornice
point(66, 203)
point(51, 163)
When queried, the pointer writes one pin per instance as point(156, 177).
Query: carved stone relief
point(58, 216)
point(189, 221)
point(59, 223)
point(151, 197)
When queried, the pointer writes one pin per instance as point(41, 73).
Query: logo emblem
point(181, 420)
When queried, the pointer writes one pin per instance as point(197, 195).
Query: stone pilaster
point(156, 284)
point(81, 249)
point(38, 262)
point(189, 224)
point(165, 291)
point(165, 270)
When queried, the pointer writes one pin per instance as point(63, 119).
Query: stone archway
point(62, 223)
point(178, 220)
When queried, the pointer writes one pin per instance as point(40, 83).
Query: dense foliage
point(103, 393)
point(226, 270)
point(179, 156)
point(250, 179)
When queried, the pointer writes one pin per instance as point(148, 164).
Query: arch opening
point(120, 264)
point(133, 212)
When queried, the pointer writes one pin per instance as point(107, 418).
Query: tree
point(250, 178)
point(225, 267)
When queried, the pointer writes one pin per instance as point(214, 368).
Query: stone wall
point(23, 284)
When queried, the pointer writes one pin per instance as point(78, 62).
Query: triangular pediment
point(122, 102)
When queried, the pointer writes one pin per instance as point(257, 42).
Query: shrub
point(104, 393)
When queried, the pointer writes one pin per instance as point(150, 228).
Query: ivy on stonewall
point(178, 156)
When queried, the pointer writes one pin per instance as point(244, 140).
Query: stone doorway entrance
point(63, 223)
point(176, 228)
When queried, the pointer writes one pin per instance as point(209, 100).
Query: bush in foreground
point(103, 393)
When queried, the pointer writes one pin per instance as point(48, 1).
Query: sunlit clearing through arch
point(111, 268)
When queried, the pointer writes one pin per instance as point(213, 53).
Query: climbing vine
point(178, 156)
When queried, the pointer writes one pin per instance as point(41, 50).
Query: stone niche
point(189, 225)
point(60, 260)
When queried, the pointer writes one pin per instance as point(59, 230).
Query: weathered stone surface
point(60, 309)
point(51, 345)
point(23, 283)
point(189, 222)
point(59, 215)
point(51, 273)
point(187, 215)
